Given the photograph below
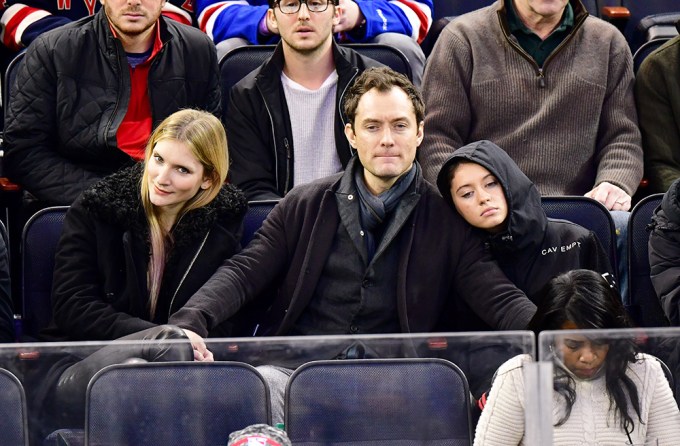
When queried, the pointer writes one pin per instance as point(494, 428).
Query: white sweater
point(591, 422)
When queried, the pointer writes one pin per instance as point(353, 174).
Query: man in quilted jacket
point(89, 94)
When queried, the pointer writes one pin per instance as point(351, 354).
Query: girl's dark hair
point(591, 301)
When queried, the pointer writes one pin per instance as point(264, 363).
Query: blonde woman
point(134, 248)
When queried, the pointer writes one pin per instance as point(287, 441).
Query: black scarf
point(375, 208)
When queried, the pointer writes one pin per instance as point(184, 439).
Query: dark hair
point(273, 3)
point(382, 79)
point(591, 301)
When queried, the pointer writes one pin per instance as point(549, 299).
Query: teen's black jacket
point(533, 248)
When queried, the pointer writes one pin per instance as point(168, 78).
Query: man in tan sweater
point(548, 83)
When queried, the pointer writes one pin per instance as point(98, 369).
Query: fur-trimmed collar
point(116, 199)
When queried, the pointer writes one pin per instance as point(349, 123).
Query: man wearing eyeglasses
point(284, 120)
point(402, 24)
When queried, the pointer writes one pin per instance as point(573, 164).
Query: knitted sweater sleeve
point(663, 419)
point(446, 91)
point(502, 420)
point(619, 145)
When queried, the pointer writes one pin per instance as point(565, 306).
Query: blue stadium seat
point(645, 306)
point(257, 212)
point(38, 247)
point(588, 213)
point(449, 8)
point(174, 403)
point(13, 418)
point(378, 402)
point(650, 19)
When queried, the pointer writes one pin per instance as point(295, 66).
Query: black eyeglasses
point(293, 6)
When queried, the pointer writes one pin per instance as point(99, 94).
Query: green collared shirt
point(530, 42)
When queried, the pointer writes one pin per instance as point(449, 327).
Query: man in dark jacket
point(284, 120)
point(89, 94)
point(372, 250)
point(664, 253)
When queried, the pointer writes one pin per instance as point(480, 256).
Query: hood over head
point(526, 221)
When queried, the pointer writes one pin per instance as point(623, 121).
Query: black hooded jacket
point(664, 253)
point(533, 248)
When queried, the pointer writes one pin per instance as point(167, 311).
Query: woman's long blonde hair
point(204, 135)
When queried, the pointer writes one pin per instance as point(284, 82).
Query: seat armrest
point(616, 15)
point(7, 185)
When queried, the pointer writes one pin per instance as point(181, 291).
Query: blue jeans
point(621, 224)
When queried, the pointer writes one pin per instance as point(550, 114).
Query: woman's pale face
point(478, 197)
point(584, 357)
point(175, 176)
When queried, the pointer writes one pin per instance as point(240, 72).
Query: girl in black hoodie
point(490, 192)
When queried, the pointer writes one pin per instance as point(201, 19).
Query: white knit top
point(591, 422)
point(312, 121)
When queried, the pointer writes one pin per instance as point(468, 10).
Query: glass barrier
point(378, 390)
point(590, 387)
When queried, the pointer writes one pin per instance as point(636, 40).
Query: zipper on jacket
point(186, 273)
point(276, 158)
point(115, 108)
point(154, 63)
point(288, 166)
point(541, 78)
point(540, 71)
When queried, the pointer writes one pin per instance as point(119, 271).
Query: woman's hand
point(201, 352)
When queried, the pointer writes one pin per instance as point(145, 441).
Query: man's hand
point(612, 197)
point(201, 352)
point(349, 16)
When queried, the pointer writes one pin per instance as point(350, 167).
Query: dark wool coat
point(533, 248)
point(664, 253)
point(75, 89)
point(100, 278)
point(437, 270)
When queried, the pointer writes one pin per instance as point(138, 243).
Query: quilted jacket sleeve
point(32, 155)
point(664, 262)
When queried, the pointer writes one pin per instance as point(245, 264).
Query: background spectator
point(605, 391)
point(134, 248)
point(398, 23)
point(88, 96)
point(284, 120)
point(657, 92)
